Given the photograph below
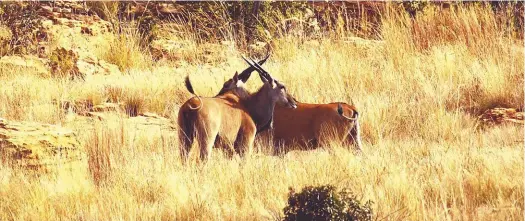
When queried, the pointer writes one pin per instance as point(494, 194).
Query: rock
point(66, 25)
point(26, 63)
point(86, 108)
point(146, 121)
point(501, 115)
point(61, 26)
point(40, 147)
point(91, 66)
point(170, 49)
point(47, 10)
point(66, 10)
point(61, 60)
point(108, 67)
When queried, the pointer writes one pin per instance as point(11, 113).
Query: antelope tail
point(340, 112)
point(198, 107)
point(189, 87)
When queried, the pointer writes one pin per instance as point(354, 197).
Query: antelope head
point(238, 80)
point(276, 90)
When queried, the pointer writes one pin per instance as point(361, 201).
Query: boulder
point(27, 64)
point(41, 147)
point(87, 108)
point(147, 120)
point(91, 66)
point(145, 123)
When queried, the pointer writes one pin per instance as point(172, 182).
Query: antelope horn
point(261, 72)
point(266, 74)
point(245, 75)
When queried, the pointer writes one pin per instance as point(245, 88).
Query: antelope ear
point(236, 76)
point(238, 82)
point(273, 84)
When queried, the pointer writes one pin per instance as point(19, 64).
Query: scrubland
point(419, 91)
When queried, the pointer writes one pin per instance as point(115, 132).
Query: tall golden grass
point(419, 91)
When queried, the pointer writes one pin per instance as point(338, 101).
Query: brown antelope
point(310, 125)
point(229, 119)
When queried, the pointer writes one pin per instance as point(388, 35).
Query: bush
point(126, 51)
point(63, 63)
point(134, 104)
point(324, 203)
point(5, 40)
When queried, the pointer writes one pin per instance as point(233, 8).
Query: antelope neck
point(260, 107)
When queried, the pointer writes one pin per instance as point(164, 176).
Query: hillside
point(90, 92)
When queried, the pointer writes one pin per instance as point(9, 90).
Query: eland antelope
point(310, 125)
point(230, 119)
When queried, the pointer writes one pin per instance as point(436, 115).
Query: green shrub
point(64, 64)
point(324, 203)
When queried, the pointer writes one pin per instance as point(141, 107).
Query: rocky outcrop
point(41, 147)
point(502, 115)
point(148, 120)
point(26, 64)
point(146, 123)
point(34, 25)
point(175, 50)
point(51, 30)
point(93, 66)
point(45, 67)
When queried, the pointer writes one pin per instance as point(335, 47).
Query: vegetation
point(63, 63)
point(419, 86)
point(325, 203)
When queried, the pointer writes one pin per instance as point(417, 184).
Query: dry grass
point(126, 52)
point(418, 92)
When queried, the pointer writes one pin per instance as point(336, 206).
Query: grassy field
point(419, 91)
